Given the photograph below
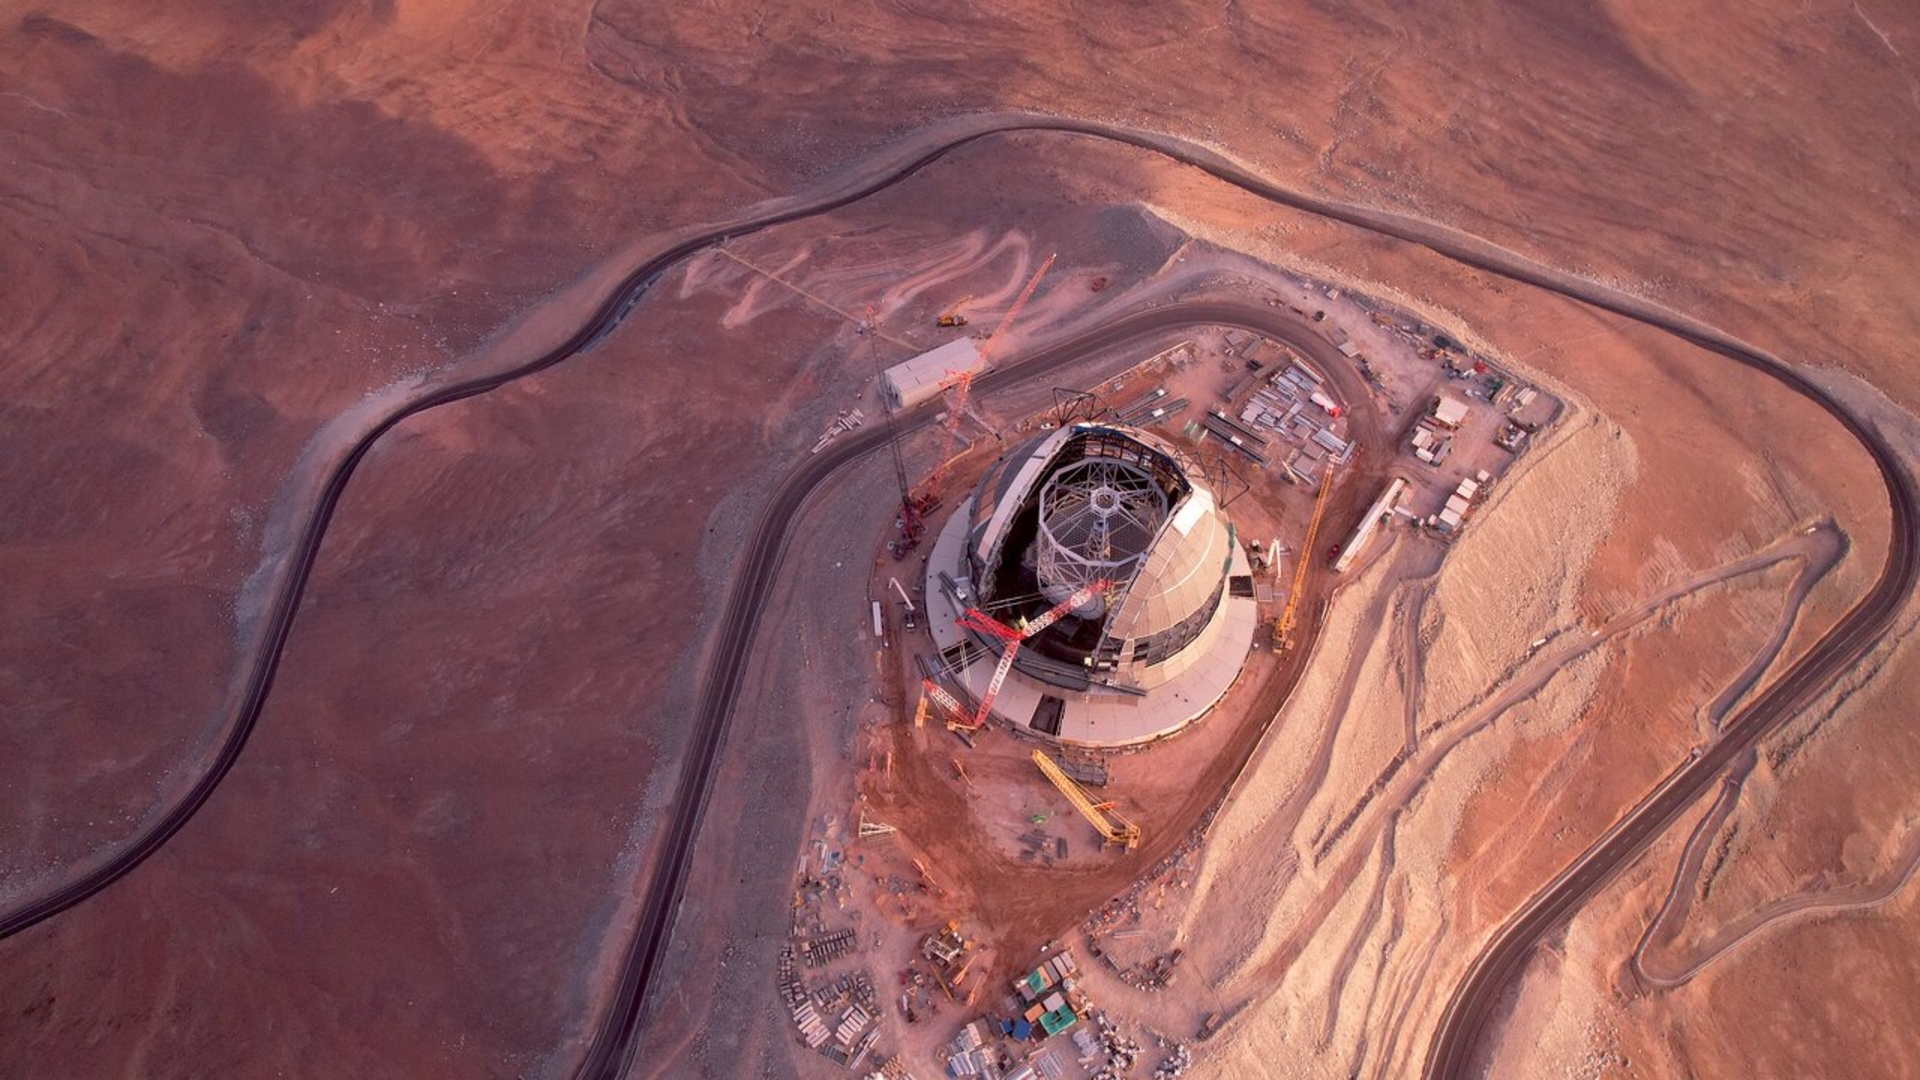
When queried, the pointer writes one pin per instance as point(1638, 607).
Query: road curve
point(1468, 1013)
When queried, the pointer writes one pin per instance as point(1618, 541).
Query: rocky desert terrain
point(239, 236)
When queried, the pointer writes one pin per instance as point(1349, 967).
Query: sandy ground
point(1526, 794)
point(226, 230)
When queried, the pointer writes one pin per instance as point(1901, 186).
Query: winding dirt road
point(622, 284)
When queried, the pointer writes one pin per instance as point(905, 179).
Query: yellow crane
point(1114, 828)
point(1283, 626)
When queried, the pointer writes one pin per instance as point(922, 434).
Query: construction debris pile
point(1178, 1058)
point(845, 421)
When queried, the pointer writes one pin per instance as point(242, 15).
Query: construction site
point(1087, 618)
point(795, 541)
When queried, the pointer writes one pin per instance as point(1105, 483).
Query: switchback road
point(1478, 996)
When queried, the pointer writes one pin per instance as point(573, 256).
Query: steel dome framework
point(1098, 519)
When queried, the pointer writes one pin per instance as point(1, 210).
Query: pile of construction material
point(1154, 975)
point(790, 987)
point(971, 1053)
point(1294, 406)
point(838, 1019)
point(891, 1069)
point(1035, 844)
point(820, 951)
point(1175, 1064)
point(1151, 409)
point(846, 421)
point(1109, 1055)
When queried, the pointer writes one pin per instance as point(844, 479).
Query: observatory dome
point(1108, 506)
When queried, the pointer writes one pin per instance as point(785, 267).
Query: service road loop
point(1467, 1014)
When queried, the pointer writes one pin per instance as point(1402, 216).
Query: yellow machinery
point(1283, 627)
point(952, 316)
point(1114, 828)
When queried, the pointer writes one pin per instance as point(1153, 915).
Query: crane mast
point(960, 383)
point(910, 513)
point(1283, 627)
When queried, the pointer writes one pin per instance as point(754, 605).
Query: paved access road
point(614, 1042)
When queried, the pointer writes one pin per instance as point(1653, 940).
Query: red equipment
point(975, 619)
point(959, 384)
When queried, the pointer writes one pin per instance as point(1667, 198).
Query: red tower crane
point(959, 384)
point(958, 718)
point(910, 513)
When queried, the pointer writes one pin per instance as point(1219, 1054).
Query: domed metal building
point(1116, 507)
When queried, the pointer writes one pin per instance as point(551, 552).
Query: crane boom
point(930, 690)
point(975, 619)
point(1106, 821)
point(1283, 627)
point(959, 384)
point(986, 344)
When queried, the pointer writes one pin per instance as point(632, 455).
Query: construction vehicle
point(1283, 626)
point(911, 612)
point(958, 719)
point(952, 316)
point(1107, 821)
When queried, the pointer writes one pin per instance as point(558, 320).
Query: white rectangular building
point(921, 378)
point(1390, 499)
point(1449, 411)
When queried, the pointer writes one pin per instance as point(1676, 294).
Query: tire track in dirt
point(1378, 809)
point(1363, 928)
point(1827, 902)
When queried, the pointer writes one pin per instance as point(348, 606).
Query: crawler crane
point(958, 719)
point(1283, 627)
point(1104, 818)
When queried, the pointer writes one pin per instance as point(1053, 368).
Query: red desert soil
point(223, 228)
